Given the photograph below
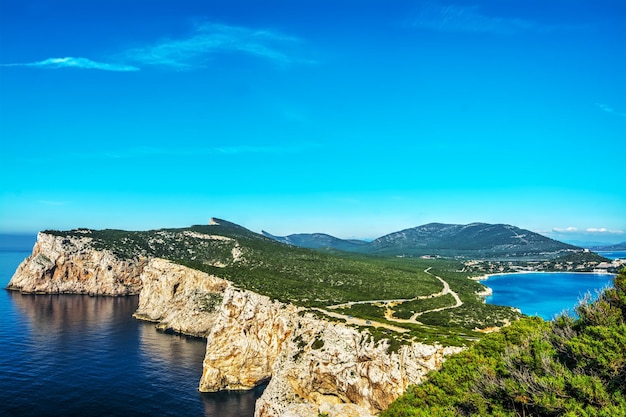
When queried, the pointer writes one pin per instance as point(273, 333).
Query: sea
point(75, 355)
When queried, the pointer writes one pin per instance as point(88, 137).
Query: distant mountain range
point(318, 241)
point(611, 248)
point(475, 240)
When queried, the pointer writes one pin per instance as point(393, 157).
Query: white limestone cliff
point(69, 265)
point(313, 365)
point(178, 298)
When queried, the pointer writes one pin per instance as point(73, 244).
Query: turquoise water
point(544, 294)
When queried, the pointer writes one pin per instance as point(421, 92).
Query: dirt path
point(389, 304)
point(446, 290)
point(361, 322)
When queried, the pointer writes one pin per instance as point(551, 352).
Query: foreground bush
point(568, 367)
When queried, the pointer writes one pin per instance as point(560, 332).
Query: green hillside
point(319, 241)
point(471, 241)
point(316, 279)
point(569, 367)
point(582, 257)
point(474, 241)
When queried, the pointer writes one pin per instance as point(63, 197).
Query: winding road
point(389, 304)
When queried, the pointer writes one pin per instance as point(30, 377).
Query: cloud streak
point(604, 230)
point(565, 230)
point(76, 62)
point(589, 230)
point(452, 18)
point(210, 39)
point(609, 109)
point(206, 41)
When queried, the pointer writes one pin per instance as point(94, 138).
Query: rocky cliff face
point(70, 265)
point(313, 366)
point(329, 368)
point(179, 299)
point(245, 341)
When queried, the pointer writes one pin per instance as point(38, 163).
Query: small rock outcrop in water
point(313, 365)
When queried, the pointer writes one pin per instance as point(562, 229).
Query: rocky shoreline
point(313, 365)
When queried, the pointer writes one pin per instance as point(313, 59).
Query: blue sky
point(354, 118)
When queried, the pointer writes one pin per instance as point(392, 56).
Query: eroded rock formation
point(180, 299)
point(313, 365)
point(69, 265)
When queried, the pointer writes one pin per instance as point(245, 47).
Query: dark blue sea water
point(73, 355)
point(544, 294)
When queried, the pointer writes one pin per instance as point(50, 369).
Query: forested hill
point(616, 247)
point(479, 240)
point(319, 241)
point(475, 240)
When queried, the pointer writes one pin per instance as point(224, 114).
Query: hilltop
point(471, 241)
point(610, 248)
point(319, 241)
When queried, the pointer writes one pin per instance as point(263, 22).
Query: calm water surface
point(74, 355)
point(613, 255)
point(544, 294)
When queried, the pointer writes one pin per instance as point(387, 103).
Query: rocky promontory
point(69, 265)
point(313, 365)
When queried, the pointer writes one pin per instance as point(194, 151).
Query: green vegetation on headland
point(568, 367)
point(571, 366)
point(316, 279)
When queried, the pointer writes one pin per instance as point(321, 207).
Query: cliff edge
point(69, 265)
point(313, 365)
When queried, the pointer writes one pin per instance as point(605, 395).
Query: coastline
point(534, 306)
point(488, 291)
point(487, 276)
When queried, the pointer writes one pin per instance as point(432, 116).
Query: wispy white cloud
point(204, 42)
point(210, 39)
point(603, 230)
point(608, 109)
point(587, 231)
point(452, 18)
point(565, 230)
point(74, 62)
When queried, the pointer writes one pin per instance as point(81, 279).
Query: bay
point(75, 355)
point(545, 294)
